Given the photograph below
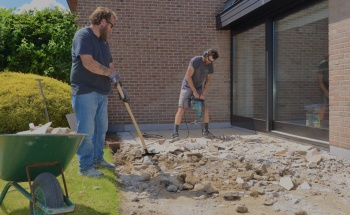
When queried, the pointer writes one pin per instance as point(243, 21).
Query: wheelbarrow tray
point(20, 150)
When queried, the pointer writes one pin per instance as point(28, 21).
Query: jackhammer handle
point(194, 98)
point(132, 117)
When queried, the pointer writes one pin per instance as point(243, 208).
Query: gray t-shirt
point(82, 80)
point(200, 72)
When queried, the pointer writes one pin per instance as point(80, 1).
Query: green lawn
point(90, 195)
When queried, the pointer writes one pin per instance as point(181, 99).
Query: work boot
point(104, 164)
point(208, 135)
point(176, 136)
point(91, 173)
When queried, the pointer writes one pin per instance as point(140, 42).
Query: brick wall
point(339, 76)
point(152, 45)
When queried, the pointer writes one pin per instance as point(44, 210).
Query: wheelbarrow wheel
point(47, 191)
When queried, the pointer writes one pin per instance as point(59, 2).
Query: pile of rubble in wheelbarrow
point(46, 129)
point(256, 174)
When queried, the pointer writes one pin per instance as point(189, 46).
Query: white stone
point(304, 186)
point(286, 183)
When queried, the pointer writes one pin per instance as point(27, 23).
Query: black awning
point(240, 12)
point(237, 10)
point(229, 3)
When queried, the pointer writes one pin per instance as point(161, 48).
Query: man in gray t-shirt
point(196, 84)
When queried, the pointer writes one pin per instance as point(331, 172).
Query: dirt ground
point(231, 174)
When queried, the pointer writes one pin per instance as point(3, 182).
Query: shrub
point(37, 42)
point(22, 103)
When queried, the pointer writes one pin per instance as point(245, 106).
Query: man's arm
point(111, 66)
point(189, 75)
point(321, 84)
point(95, 67)
point(206, 84)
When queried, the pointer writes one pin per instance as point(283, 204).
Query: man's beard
point(104, 34)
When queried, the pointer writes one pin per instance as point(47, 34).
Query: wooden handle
point(132, 117)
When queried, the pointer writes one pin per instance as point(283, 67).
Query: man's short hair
point(213, 53)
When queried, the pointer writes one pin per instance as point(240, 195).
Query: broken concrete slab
point(286, 183)
point(38, 129)
point(255, 165)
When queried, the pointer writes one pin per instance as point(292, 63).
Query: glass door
point(249, 84)
point(300, 98)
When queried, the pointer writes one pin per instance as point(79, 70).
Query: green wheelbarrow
point(38, 159)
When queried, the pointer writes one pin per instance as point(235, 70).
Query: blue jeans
point(91, 112)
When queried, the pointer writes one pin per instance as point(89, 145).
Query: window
point(300, 45)
point(249, 91)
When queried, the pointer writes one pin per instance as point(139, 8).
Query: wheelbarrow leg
point(18, 187)
point(4, 191)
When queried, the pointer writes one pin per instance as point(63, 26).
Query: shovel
point(147, 153)
point(44, 100)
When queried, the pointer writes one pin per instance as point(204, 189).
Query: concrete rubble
point(46, 129)
point(279, 174)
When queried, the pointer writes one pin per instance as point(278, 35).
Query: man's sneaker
point(104, 164)
point(208, 135)
point(91, 173)
point(176, 136)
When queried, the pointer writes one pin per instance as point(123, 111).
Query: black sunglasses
point(211, 61)
point(112, 25)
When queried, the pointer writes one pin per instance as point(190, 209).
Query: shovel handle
point(44, 100)
point(132, 117)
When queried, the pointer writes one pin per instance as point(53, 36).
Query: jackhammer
point(197, 105)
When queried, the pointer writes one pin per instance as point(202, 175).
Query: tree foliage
point(37, 42)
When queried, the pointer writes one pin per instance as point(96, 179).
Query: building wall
point(339, 77)
point(152, 45)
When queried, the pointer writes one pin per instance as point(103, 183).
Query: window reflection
point(301, 42)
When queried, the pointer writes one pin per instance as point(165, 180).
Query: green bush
point(22, 103)
point(37, 42)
